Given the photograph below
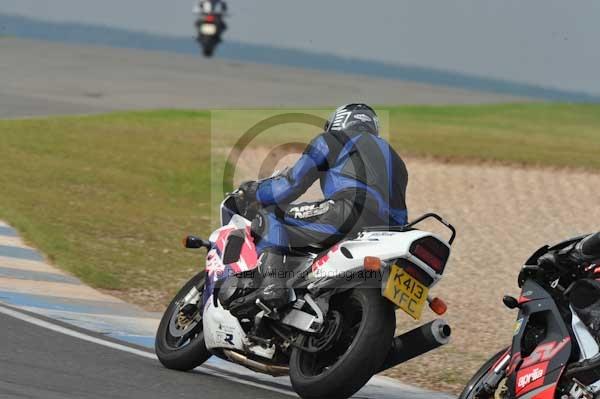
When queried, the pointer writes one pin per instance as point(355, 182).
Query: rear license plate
point(406, 292)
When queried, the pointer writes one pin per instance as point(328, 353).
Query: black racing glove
point(247, 202)
point(248, 191)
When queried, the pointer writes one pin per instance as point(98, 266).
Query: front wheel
point(367, 325)
point(474, 386)
point(208, 50)
point(179, 341)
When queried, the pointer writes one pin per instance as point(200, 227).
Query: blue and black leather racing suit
point(363, 181)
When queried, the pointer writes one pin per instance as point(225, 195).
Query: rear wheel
point(179, 341)
point(367, 325)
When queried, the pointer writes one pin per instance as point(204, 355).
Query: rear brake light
point(423, 253)
point(210, 18)
point(432, 252)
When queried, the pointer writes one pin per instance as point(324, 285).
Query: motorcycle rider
point(217, 8)
point(211, 7)
point(363, 181)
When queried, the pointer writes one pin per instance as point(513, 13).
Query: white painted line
point(75, 334)
point(13, 242)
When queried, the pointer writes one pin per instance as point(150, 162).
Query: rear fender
point(347, 257)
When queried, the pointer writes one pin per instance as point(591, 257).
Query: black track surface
point(39, 363)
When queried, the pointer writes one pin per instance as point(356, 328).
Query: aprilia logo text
point(528, 378)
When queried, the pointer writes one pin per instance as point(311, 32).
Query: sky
point(552, 43)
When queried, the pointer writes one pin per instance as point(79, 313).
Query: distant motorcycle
point(338, 329)
point(210, 27)
point(553, 353)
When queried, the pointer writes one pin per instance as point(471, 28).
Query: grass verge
point(108, 197)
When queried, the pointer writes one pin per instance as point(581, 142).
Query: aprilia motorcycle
point(337, 331)
point(554, 354)
point(210, 27)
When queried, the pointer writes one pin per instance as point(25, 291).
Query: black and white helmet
point(358, 117)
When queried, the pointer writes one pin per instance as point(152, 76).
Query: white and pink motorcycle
point(338, 329)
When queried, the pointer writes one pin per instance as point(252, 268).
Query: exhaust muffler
point(417, 342)
point(271, 369)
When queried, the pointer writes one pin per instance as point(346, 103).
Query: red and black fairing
point(541, 346)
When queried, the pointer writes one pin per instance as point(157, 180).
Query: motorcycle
point(553, 353)
point(338, 329)
point(210, 27)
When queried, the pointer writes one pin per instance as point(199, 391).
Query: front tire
point(473, 385)
point(368, 324)
point(179, 341)
point(208, 50)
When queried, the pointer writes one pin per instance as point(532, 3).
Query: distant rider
point(215, 8)
point(211, 7)
point(363, 181)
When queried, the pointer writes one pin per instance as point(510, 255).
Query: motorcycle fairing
point(536, 375)
point(215, 268)
point(221, 328)
point(348, 256)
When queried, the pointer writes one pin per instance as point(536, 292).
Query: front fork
point(497, 373)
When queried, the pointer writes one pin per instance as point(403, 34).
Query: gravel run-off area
point(502, 214)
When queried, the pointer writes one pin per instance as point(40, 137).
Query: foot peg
point(264, 307)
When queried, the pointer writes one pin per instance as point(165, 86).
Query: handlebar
point(571, 260)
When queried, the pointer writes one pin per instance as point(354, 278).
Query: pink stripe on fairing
point(222, 238)
point(248, 254)
point(320, 262)
point(248, 257)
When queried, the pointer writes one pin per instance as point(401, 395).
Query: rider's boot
point(273, 292)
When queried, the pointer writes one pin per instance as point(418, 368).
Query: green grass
point(108, 197)
point(533, 134)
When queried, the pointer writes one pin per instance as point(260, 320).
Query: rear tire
point(356, 363)
point(190, 354)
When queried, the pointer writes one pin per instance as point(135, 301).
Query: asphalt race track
point(63, 339)
point(40, 78)
point(39, 363)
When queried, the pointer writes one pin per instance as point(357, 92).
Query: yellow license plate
point(406, 292)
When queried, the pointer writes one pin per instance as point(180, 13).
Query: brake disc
point(502, 390)
point(329, 335)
